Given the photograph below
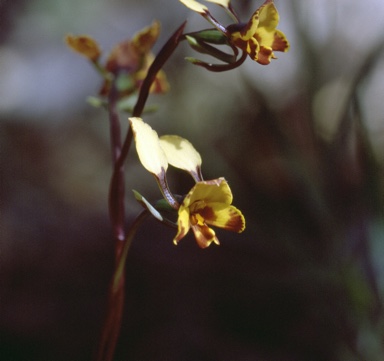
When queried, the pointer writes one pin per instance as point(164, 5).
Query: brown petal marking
point(265, 55)
point(204, 235)
point(252, 49)
point(123, 56)
point(279, 43)
point(235, 223)
point(207, 213)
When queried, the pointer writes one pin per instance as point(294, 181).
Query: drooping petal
point(150, 153)
point(195, 6)
point(181, 153)
point(216, 190)
point(183, 224)
point(223, 216)
point(204, 235)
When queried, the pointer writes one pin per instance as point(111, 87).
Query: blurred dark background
point(300, 141)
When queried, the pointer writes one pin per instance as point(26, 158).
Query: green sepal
point(211, 36)
point(163, 205)
point(147, 205)
point(124, 82)
point(205, 48)
point(127, 104)
point(96, 102)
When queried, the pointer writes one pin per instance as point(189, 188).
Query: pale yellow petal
point(180, 153)
point(150, 153)
point(195, 6)
point(223, 3)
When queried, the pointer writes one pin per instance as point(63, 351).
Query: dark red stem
point(111, 327)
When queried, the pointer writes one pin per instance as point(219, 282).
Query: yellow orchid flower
point(127, 64)
point(208, 204)
point(260, 38)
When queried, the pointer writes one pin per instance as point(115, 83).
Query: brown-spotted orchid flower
point(130, 60)
point(208, 203)
point(259, 37)
point(126, 65)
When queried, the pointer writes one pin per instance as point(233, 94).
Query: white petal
point(180, 153)
point(150, 153)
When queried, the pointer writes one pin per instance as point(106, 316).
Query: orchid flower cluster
point(130, 73)
point(127, 65)
point(258, 38)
